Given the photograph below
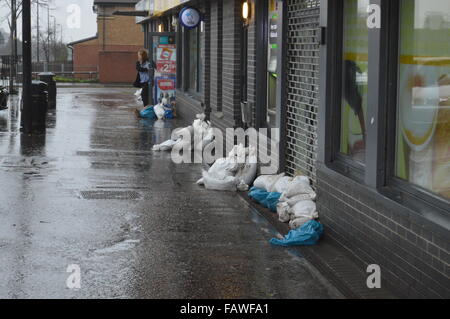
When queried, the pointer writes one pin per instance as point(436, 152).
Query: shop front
point(384, 143)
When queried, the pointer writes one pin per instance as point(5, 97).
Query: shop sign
point(190, 17)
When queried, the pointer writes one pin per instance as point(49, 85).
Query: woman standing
point(145, 76)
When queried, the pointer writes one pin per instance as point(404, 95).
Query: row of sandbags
point(296, 198)
point(160, 111)
point(235, 172)
point(200, 127)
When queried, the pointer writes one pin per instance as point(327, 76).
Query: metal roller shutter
point(302, 87)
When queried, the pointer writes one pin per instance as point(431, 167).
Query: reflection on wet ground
point(91, 192)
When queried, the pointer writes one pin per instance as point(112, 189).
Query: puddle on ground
point(122, 246)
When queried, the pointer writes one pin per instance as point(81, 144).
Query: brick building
point(112, 52)
point(342, 95)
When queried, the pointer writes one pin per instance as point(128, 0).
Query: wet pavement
point(92, 193)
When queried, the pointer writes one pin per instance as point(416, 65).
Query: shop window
point(195, 60)
point(423, 113)
point(272, 75)
point(353, 102)
point(244, 63)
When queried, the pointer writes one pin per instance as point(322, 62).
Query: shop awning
point(153, 9)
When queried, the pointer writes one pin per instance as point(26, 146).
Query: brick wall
point(85, 59)
point(119, 30)
point(413, 253)
point(123, 38)
point(117, 66)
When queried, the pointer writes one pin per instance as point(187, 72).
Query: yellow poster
point(423, 142)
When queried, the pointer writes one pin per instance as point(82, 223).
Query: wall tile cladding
point(413, 257)
point(251, 65)
point(206, 48)
point(231, 64)
point(216, 20)
point(222, 65)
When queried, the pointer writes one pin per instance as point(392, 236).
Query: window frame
point(338, 161)
point(195, 92)
point(405, 192)
point(379, 171)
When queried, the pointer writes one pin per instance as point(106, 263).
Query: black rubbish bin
point(39, 102)
point(3, 98)
point(49, 78)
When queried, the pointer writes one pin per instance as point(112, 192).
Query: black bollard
point(49, 78)
point(40, 105)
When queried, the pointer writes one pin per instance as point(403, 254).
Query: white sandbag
point(247, 172)
point(207, 134)
point(183, 144)
point(282, 184)
point(166, 146)
point(208, 138)
point(299, 222)
point(184, 132)
point(213, 183)
point(303, 208)
point(267, 182)
point(201, 117)
point(242, 187)
point(159, 111)
point(297, 198)
point(223, 168)
point(283, 212)
point(299, 186)
point(200, 126)
point(238, 154)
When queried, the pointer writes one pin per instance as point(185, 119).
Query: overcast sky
point(87, 26)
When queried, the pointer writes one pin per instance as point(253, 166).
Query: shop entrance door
point(163, 51)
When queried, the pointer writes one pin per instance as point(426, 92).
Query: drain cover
point(117, 195)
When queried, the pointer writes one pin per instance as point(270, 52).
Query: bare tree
point(14, 11)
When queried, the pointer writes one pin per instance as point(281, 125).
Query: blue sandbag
point(266, 199)
point(168, 114)
point(307, 235)
point(271, 201)
point(258, 194)
point(148, 113)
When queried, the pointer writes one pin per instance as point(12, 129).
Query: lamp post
point(13, 57)
point(27, 120)
point(37, 37)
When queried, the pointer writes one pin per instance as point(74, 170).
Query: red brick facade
point(117, 66)
point(113, 52)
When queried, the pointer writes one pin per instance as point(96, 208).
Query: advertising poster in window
point(165, 87)
point(166, 59)
point(423, 135)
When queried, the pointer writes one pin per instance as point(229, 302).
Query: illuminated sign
point(190, 18)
